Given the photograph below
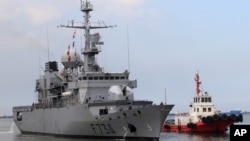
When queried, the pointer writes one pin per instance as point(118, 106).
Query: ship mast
point(91, 40)
point(197, 81)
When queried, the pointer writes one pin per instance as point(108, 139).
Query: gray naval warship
point(85, 101)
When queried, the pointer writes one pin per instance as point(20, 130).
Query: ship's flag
point(68, 50)
point(74, 35)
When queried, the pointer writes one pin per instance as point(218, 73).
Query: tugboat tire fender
point(224, 117)
point(191, 125)
point(209, 119)
point(216, 117)
point(232, 117)
point(204, 119)
point(166, 127)
point(239, 118)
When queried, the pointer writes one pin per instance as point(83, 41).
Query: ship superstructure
point(83, 100)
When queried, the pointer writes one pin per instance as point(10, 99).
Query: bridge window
point(209, 109)
point(204, 109)
point(202, 99)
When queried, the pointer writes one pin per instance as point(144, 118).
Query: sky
point(163, 43)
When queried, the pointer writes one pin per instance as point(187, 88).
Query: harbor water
point(9, 132)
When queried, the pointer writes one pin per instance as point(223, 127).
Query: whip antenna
point(128, 48)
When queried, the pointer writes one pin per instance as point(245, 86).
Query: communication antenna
point(128, 48)
point(39, 69)
point(48, 42)
point(165, 97)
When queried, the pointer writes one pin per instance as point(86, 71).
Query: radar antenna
point(91, 40)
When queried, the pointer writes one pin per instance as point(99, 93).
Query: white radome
point(70, 58)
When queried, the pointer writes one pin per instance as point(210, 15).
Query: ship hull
point(78, 121)
point(199, 127)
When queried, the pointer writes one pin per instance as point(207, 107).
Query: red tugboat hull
point(199, 127)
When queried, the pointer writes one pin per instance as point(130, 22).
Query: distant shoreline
point(6, 117)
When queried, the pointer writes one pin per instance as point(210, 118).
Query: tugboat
point(202, 116)
point(82, 100)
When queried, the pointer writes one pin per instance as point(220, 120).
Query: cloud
point(21, 23)
point(39, 14)
point(129, 9)
point(8, 10)
point(128, 2)
point(36, 12)
point(16, 38)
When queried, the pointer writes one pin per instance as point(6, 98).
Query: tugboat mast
point(197, 81)
point(91, 40)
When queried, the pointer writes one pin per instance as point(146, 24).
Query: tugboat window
point(209, 99)
point(204, 109)
point(209, 109)
point(202, 99)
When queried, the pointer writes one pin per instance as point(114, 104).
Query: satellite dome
point(71, 59)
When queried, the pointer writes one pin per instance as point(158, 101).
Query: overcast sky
point(168, 42)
